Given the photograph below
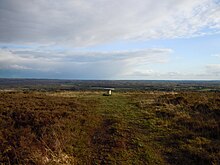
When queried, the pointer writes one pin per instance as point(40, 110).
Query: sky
point(110, 39)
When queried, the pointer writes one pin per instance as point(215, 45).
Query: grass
point(125, 128)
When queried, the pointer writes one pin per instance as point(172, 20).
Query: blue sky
point(123, 39)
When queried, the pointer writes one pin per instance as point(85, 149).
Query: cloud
point(153, 74)
point(216, 55)
point(210, 72)
point(213, 69)
point(71, 64)
point(19, 67)
point(146, 55)
point(134, 64)
point(89, 22)
point(48, 38)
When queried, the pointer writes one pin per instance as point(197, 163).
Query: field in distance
point(84, 127)
point(120, 85)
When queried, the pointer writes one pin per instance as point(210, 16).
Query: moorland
point(57, 124)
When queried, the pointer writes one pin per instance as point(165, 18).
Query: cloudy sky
point(110, 39)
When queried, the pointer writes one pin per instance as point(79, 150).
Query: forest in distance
point(126, 85)
point(143, 122)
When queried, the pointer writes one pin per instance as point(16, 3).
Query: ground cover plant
point(125, 128)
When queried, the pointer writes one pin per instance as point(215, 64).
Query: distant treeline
point(121, 85)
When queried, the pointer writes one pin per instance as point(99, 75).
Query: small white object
point(110, 92)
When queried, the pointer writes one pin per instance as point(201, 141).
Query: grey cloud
point(94, 65)
point(86, 22)
point(147, 55)
point(80, 64)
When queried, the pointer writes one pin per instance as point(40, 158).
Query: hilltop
point(125, 128)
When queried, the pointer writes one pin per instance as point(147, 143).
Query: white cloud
point(216, 55)
point(89, 22)
point(19, 67)
point(81, 64)
point(213, 69)
point(10, 60)
point(134, 64)
point(72, 24)
point(211, 72)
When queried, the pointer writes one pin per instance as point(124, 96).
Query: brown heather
point(126, 128)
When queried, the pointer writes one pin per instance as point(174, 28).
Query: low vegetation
point(125, 128)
